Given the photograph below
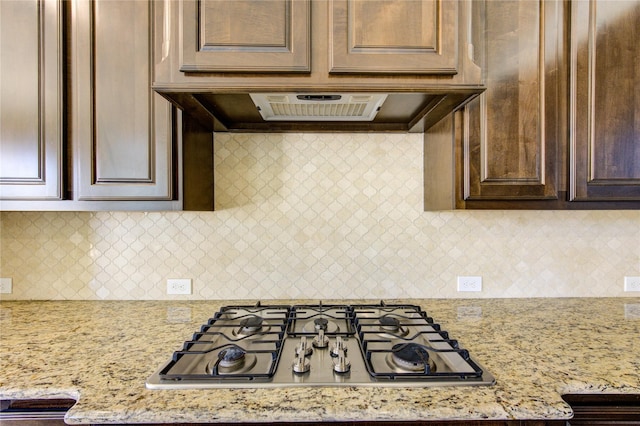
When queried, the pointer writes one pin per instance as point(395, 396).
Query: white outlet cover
point(6, 285)
point(631, 283)
point(470, 283)
point(179, 286)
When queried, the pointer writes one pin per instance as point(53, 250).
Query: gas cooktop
point(319, 345)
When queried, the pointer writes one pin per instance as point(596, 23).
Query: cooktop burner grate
point(320, 345)
point(307, 320)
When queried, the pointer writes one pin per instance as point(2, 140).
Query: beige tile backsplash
point(318, 216)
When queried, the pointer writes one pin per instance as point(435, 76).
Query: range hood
point(339, 65)
point(318, 106)
point(341, 111)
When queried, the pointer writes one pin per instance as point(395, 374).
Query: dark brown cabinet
point(393, 37)
point(212, 55)
point(121, 129)
point(604, 409)
point(246, 36)
point(31, 100)
point(509, 134)
point(557, 127)
point(364, 36)
point(604, 136)
point(82, 128)
point(34, 412)
point(503, 149)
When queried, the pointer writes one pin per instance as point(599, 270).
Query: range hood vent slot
point(318, 107)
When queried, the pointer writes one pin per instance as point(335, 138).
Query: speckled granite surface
point(101, 353)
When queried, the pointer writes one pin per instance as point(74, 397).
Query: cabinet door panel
point(31, 133)
point(605, 101)
point(245, 35)
point(510, 132)
point(121, 127)
point(393, 36)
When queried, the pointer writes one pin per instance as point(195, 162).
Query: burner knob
point(342, 364)
point(338, 346)
point(320, 341)
point(303, 349)
point(301, 365)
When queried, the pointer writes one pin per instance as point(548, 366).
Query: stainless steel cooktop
point(319, 345)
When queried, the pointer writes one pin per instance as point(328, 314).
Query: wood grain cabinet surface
point(558, 126)
point(392, 37)
point(212, 54)
point(604, 141)
point(31, 100)
point(246, 36)
point(121, 128)
point(34, 412)
point(510, 132)
point(82, 129)
point(364, 36)
point(604, 409)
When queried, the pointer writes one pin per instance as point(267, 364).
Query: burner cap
point(411, 356)
point(320, 323)
point(231, 357)
point(389, 323)
point(313, 325)
point(252, 323)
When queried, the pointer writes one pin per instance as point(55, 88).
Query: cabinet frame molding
point(47, 183)
point(474, 129)
point(348, 56)
point(585, 183)
point(293, 55)
point(93, 183)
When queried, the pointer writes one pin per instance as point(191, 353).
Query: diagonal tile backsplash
point(318, 216)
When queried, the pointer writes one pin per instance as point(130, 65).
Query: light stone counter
point(101, 353)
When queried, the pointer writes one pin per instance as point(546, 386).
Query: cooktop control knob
point(320, 341)
point(338, 346)
point(303, 349)
point(302, 364)
point(341, 364)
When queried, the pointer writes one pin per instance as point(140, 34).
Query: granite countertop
point(101, 352)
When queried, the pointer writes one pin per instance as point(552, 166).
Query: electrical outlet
point(179, 286)
point(631, 283)
point(470, 283)
point(6, 285)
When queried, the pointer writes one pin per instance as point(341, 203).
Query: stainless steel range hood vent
point(318, 107)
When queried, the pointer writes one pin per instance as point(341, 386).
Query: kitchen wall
point(318, 216)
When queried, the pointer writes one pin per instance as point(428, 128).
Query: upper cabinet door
point(31, 95)
point(511, 131)
point(245, 35)
point(605, 100)
point(394, 36)
point(121, 127)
